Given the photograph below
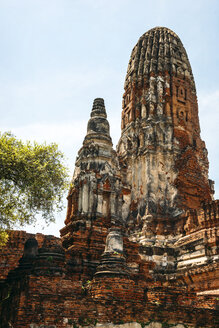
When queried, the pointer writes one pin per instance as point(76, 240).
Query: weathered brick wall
point(55, 292)
point(13, 250)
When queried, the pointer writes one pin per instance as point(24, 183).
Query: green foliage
point(87, 285)
point(33, 180)
point(75, 325)
point(86, 321)
point(165, 325)
point(3, 237)
point(142, 324)
point(50, 258)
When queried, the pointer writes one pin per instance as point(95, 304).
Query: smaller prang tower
point(95, 189)
point(162, 157)
point(95, 197)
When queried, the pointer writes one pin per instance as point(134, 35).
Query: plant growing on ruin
point(50, 259)
point(87, 285)
point(33, 180)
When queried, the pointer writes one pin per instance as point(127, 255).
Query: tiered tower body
point(163, 159)
point(96, 185)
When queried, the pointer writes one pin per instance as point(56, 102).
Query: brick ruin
point(140, 243)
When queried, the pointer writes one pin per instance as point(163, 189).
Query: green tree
point(33, 180)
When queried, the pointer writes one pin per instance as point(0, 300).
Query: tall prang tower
point(163, 159)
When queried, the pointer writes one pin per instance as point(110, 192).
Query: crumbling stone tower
point(163, 159)
point(96, 186)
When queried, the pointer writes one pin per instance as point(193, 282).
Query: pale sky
point(58, 55)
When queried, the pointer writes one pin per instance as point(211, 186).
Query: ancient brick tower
point(96, 187)
point(140, 243)
point(162, 157)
